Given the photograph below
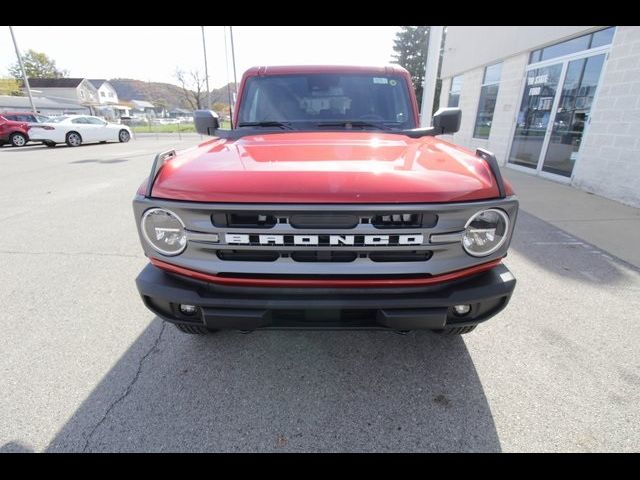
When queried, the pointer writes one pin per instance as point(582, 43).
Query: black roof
point(55, 82)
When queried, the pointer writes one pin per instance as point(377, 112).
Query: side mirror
point(447, 120)
point(206, 121)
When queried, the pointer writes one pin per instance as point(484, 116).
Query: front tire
point(18, 140)
point(456, 330)
point(193, 329)
point(124, 136)
point(74, 139)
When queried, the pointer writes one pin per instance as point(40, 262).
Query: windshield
point(311, 100)
point(57, 119)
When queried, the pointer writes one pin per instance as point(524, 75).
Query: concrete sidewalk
point(607, 224)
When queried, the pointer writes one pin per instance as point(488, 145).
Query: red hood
point(326, 167)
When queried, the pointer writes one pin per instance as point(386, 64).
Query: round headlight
point(164, 231)
point(485, 232)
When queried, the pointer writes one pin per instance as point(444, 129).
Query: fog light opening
point(461, 310)
point(188, 309)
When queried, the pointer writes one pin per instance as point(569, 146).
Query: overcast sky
point(153, 53)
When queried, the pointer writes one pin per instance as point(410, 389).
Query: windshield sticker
point(380, 80)
point(393, 83)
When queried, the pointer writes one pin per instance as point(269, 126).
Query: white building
point(106, 93)
point(561, 102)
point(75, 90)
point(45, 106)
point(143, 109)
point(109, 107)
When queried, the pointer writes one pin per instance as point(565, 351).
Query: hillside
point(161, 94)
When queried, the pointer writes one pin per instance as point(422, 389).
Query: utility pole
point(233, 60)
point(24, 74)
point(226, 57)
point(206, 70)
point(430, 74)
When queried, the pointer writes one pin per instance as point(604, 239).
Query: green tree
point(410, 51)
point(37, 65)
point(410, 47)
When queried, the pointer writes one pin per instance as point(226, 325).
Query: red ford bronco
point(326, 206)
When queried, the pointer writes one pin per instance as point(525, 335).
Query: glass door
point(554, 113)
point(572, 114)
point(535, 113)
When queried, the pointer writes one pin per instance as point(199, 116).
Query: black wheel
point(74, 139)
point(18, 139)
point(124, 136)
point(456, 330)
point(193, 329)
point(50, 144)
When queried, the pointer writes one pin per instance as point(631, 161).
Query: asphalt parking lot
point(85, 367)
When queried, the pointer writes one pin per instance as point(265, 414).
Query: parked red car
point(14, 133)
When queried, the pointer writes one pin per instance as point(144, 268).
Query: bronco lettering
point(316, 240)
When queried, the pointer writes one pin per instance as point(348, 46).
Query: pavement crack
point(126, 392)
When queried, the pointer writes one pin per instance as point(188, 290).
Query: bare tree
point(193, 87)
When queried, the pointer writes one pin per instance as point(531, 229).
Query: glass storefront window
point(534, 114)
point(575, 45)
point(572, 115)
point(487, 103)
point(603, 37)
point(565, 48)
point(454, 91)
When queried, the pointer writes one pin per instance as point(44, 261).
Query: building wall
point(87, 93)
point(609, 161)
point(507, 104)
point(609, 158)
point(107, 89)
point(468, 47)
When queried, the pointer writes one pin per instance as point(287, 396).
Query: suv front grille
point(324, 256)
point(404, 220)
point(321, 236)
point(321, 256)
point(422, 256)
point(326, 240)
point(247, 256)
point(243, 220)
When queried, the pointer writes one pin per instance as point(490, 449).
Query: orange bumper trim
point(323, 283)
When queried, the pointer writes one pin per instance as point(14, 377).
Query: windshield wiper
point(268, 123)
point(353, 123)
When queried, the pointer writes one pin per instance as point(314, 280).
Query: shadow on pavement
point(15, 447)
point(26, 148)
point(286, 391)
point(563, 254)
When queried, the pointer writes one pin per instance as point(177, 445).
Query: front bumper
point(398, 308)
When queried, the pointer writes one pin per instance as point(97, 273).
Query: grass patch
point(174, 128)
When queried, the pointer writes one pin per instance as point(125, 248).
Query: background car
point(28, 117)
point(74, 130)
point(14, 133)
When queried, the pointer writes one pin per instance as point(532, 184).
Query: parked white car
point(74, 130)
